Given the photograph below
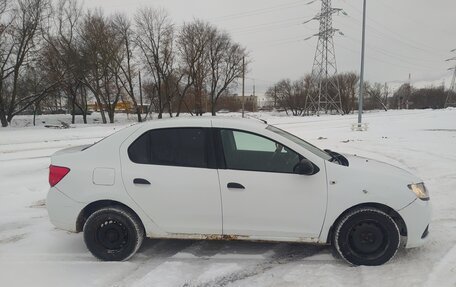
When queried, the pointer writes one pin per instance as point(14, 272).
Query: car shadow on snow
point(207, 249)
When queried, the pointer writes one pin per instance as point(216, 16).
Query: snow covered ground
point(34, 253)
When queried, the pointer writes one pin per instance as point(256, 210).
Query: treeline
point(293, 96)
point(56, 55)
point(426, 98)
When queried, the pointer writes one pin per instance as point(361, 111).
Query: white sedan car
point(216, 178)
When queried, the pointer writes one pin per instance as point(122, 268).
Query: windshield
point(313, 149)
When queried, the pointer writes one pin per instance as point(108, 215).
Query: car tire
point(366, 236)
point(113, 234)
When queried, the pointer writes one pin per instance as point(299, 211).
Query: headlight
point(420, 190)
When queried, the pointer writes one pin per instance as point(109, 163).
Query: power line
point(412, 20)
point(259, 11)
point(266, 29)
point(400, 37)
point(379, 60)
point(396, 57)
point(384, 37)
point(266, 24)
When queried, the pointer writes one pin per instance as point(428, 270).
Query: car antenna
point(258, 119)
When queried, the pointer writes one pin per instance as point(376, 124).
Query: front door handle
point(235, 185)
point(141, 181)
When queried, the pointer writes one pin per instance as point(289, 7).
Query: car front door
point(262, 196)
point(171, 174)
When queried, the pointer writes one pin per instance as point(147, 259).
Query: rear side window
point(187, 147)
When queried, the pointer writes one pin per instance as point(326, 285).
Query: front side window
point(185, 147)
point(313, 149)
point(247, 151)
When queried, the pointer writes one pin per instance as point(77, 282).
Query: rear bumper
point(63, 211)
point(417, 217)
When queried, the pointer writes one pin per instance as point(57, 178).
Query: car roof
point(219, 121)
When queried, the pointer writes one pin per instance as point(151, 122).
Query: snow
point(34, 253)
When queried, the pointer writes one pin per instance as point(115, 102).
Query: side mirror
point(306, 167)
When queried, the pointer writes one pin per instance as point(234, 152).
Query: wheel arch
point(97, 205)
point(388, 210)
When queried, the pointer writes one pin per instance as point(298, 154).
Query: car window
point(139, 151)
point(313, 149)
point(246, 141)
point(173, 147)
point(247, 151)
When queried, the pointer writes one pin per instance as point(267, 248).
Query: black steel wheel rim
point(368, 238)
point(112, 235)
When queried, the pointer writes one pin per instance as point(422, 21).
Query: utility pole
point(254, 100)
point(453, 81)
point(140, 93)
point(275, 97)
point(409, 92)
point(386, 93)
point(243, 86)
point(325, 90)
point(451, 98)
point(361, 77)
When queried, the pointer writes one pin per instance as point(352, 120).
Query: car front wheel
point(113, 234)
point(366, 236)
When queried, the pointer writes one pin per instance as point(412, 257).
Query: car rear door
point(171, 174)
point(262, 197)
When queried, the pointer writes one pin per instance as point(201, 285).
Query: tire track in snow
point(284, 253)
point(444, 273)
point(152, 254)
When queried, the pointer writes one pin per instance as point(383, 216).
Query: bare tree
point(125, 60)
point(6, 67)
point(429, 98)
point(155, 39)
point(375, 96)
point(192, 43)
point(347, 85)
point(64, 55)
point(151, 94)
point(225, 64)
point(100, 53)
point(290, 96)
point(19, 45)
point(86, 54)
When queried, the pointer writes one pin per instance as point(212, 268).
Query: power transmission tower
point(451, 98)
point(325, 91)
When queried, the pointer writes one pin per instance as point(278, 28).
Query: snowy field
point(34, 253)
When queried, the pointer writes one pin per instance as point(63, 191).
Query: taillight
point(56, 174)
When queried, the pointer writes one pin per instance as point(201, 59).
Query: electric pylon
point(325, 90)
point(451, 98)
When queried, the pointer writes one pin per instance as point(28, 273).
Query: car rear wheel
point(366, 236)
point(113, 234)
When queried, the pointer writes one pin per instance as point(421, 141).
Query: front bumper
point(63, 211)
point(417, 217)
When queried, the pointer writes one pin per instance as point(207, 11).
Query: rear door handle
point(235, 185)
point(140, 181)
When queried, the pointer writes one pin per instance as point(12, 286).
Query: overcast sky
point(403, 36)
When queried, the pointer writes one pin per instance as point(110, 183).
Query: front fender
point(365, 181)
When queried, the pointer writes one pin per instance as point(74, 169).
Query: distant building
point(121, 106)
point(233, 103)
